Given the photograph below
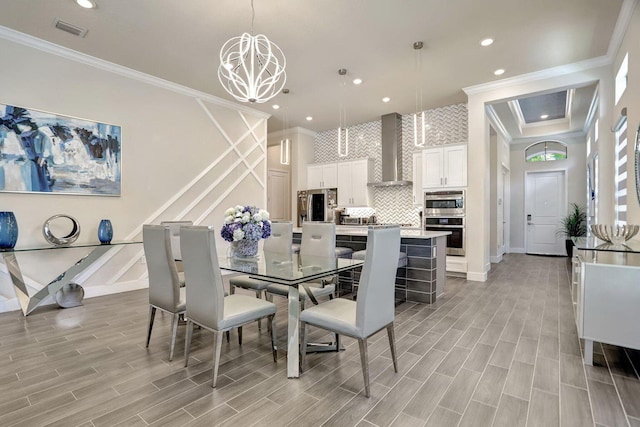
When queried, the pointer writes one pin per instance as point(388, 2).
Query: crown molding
point(73, 55)
point(593, 109)
point(626, 12)
point(552, 137)
point(497, 123)
point(560, 70)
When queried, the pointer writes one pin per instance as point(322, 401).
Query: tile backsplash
point(446, 125)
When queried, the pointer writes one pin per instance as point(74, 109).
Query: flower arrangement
point(246, 225)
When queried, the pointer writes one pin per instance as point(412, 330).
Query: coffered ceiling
point(180, 41)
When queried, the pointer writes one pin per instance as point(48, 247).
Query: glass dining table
point(294, 271)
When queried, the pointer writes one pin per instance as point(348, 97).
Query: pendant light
point(343, 132)
point(418, 118)
point(285, 142)
point(252, 67)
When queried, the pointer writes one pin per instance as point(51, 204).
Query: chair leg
point(392, 346)
point(240, 335)
point(259, 320)
point(152, 316)
point(187, 342)
point(232, 289)
point(303, 344)
point(272, 328)
point(336, 335)
point(364, 359)
point(216, 357)
point(228, 335)
point(174, 332)
point(268, 296)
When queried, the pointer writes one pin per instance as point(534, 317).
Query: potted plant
point(574, 225)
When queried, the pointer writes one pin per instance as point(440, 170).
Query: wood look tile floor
point(503, 353)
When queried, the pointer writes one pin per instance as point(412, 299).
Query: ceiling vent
point(70, 28)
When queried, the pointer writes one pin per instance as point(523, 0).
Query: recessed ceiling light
point(357, 81)
point(486, 42)
point(276, 106)
point(309, 118)
point(87, 4)
point(386, 99)
point(499, 72)
point(544, 116)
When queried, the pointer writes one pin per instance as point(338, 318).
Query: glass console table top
point(594, 244)
point(74, 245)
point(285, 269)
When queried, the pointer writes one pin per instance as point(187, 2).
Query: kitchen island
point(421, 280)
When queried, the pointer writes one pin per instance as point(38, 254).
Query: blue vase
point(105, 232)
point(8, 230)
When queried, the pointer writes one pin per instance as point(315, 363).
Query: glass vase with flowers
point(244, 226)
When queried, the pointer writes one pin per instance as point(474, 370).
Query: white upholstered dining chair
point(165, 292)
point(280, 242)
point(318, 240)
point(374, 310)
point(207, 306)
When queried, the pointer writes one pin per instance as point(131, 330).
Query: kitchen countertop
point(404, 232)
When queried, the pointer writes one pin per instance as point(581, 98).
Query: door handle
point(440, 180)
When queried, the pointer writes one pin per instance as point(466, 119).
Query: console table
point(605, 287)
point(62, 289)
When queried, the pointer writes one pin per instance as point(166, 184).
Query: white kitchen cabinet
point(352, 183)
point(322, 175)
point(444, 167)
point(418, 194)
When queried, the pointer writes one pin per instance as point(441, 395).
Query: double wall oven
point(445, 211)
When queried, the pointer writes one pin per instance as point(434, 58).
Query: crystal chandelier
point(252, 67)
point(343, 132)
point(418, 118)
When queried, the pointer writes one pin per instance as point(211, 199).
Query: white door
point(501, 217)
point(344, 184)
point(417, 179)
point(432, 173)
point(544, 208)
point(455, 166)
point(359, 178)
point(314, 177)
point(278, 195)
point(330, 175)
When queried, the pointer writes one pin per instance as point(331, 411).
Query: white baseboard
point(477, 276)
point(496, 259)
point(517, 250)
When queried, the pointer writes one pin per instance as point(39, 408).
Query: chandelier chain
point(253, 16)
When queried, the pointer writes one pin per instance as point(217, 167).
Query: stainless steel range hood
point(391, 152)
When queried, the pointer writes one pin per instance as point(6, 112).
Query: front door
point(545, 205)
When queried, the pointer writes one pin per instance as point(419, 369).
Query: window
point(621, 78)
point(621, 174)
point(545, 151)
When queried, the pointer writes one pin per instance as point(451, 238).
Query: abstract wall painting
point(51, 153)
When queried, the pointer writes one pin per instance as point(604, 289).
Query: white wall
point(185, 155)
point(478, 194)
point(575, 172)
point(630, 100)
point(302, 149)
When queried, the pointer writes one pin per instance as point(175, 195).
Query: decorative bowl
point(616, 234)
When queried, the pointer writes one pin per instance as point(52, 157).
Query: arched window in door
point(545, 151)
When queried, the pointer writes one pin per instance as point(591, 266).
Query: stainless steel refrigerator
point(317, 205)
